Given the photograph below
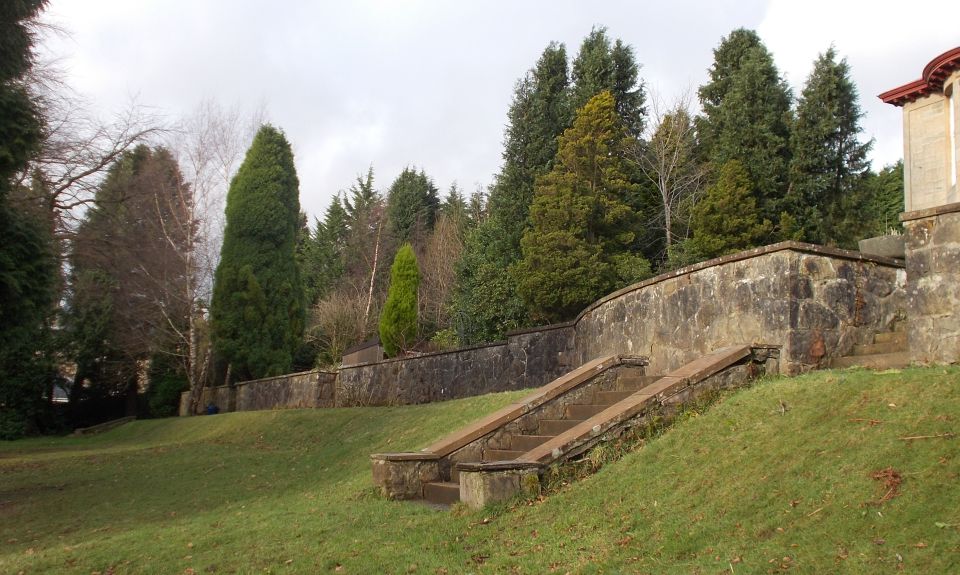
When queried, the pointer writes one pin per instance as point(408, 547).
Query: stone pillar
point(933, 284)
point(482, 484)
point(402, 475)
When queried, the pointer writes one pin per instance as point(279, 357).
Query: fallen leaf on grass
point(891, 479)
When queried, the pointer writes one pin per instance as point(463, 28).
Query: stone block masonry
point(814, 302)
point(933, 284)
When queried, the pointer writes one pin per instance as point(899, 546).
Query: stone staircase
point(507, 451)
point(513, 446)
point(888, 351)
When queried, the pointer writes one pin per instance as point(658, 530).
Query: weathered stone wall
point(295, 390)
point(815, 302)
point(933, 284)
point(224, 397)
point(527, 359)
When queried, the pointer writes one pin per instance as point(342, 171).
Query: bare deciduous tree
point(668, 161)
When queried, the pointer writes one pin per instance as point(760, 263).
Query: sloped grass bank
point(816, 474)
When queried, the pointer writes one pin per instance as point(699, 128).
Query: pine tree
point(398, 322)
point(884, 191)
point(829, 162)
point(580, 244)
point(412, 203)
point(28, 270)
point(600, 66)
point(257, 311)
point(746, 117)
point(486, 303)
point(727, 219)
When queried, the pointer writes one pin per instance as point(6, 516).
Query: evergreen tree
point(129, 299)
point(257, 311)
point(829, 162)
point(727, 219)
point(746, 117)
point(600, 66)
point(398, 322)
point(412, 203)
point(884, 191)
point(580, 245)
point(322, 252)
point(486, 303)
point(28, 271)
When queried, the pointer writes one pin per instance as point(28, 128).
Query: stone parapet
point(817, 302)
point(527, 359)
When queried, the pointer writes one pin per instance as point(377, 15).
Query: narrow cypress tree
point(829, 162)
point(398, 321)
point(257, 311)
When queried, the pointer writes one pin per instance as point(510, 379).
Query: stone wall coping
point(405, 456)
point(488, 466)
point(678, 379)
point(542, 395)
point(431, 354)
point(540, 328)
point(285, 376)
point(930, 212)
point(739, 256)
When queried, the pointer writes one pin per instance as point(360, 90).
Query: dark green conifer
point(257, 311)
point(727, 219)
point(746, 117)
point(829, 163)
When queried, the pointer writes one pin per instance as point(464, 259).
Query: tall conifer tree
point(258, 309)
point(746, 117)
point(829, 164)
point(28, 270)
point(580, 244)
point(486, 303)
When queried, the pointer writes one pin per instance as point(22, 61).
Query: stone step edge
point(542, 395)
point(674, 382)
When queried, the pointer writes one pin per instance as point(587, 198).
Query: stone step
point(891, 337)
point(877, 361)
point(635, 382)
point(442, 492)
point(611, 397)
point(878, 348)
point(527, 442)
point(556, 426)
point(501, 454)
point(900, 326)
point(578, 411)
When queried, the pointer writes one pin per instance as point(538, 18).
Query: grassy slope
point(744, 488)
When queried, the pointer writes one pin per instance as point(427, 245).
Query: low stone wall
point(527, 359)
point(291, 391)
point(816, 302)
point(296, 390)
point(933, 286)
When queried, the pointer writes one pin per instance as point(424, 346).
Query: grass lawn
point(807, 475)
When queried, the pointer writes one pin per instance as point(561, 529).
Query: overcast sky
point(428, 83)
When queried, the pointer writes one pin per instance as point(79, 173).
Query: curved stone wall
point(813, 301)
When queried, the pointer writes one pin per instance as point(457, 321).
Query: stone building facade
point(931, 218)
